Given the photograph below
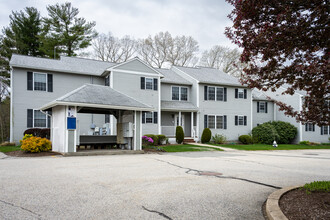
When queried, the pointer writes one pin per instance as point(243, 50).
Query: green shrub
point(154, 138)
point(206, 135)
point(161, 139)
point(35, 144)
point(286, 131)
point(265, 133)
point(245, 139)
point(304, 143)
point(179, 134)
point(317, 186)
point(219, 139)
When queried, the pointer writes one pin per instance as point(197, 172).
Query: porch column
point(192, 124)
point(138, 130)
point(197, 125)
point(180, 122)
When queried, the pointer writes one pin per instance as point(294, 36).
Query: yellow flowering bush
point(35, 144)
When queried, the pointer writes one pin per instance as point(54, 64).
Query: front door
point(177, 120)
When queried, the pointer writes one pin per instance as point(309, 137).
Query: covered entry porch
point(96, 99)
point(178, 113)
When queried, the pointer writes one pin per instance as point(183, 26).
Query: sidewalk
point(208, 145)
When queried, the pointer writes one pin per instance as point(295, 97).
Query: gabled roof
point(64, 64)
point(91, 95)
point(172, 77)
point(178, 105)
point(210, 76)
point(259, 95)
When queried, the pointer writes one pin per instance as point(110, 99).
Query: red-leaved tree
point(286, 42)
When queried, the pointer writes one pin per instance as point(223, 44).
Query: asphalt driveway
point(196, 185)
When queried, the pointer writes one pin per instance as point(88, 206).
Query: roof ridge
point(90, 59)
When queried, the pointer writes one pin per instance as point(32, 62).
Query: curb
point(273, 209)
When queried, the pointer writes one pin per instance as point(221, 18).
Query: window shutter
point(205, 121)
point(225, 122)
point(266, 108)
point(155, 84)
point(313, 127)
point(225, 94)
point(236, 93)
point(245, 94)
point(306, 127)
point(30, 118)
point(155, 117)
point(245, 120)
point(143, 117)
point(257, 107)
point(107, 81)
point(143, 82)
point(322, 131)
point(29, 81)
point(236, 120)
point(205, 92)
point(50, 82)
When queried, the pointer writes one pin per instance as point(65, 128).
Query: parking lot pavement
point(194, 185)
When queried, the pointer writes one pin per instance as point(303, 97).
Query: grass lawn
point(5, 149)
point(187, 147)
point(270, 147)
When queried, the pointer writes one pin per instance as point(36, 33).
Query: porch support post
point(192, 125)
point(197, 125)
point(180, 122)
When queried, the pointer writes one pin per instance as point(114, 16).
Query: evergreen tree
point(65, 32)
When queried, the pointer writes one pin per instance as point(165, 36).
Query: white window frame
point(240, 91)
point(180, 93)
point(223, 93)
point(310, 127)
point(215, 121)
point(264, 105)
point(33, 118)
point(328, 127)
point(215, 93)
point(152, 83)
point(152, 117)
point(238, 120)
point(46, 81)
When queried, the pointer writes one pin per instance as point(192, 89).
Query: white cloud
point(203, 20)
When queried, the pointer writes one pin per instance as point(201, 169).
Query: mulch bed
point(25, 154)
point(297, 204)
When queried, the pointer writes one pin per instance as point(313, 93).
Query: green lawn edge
point(256, 147)
point(5, 149)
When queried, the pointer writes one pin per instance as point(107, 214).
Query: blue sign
point(71, 123)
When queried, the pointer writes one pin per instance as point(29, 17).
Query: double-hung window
point(39, 119)
point(214, 93)
point(215, 121)
point(325, 130)
point(149, 117)
point(240, 120)
point(149, 83)
point(211, 93)
point(179, 93)
point(40, 81)
point(240, 93)
point(309, 127)
point(219, 122)
point(211, 121)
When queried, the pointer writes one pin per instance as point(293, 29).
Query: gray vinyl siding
point(262, 117)
point(166, 92)
point(136, 66)
point(129, 84)
point(24, 99)
point(230, 108)
point(314, 136)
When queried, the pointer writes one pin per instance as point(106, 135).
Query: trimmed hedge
point(179, 134)
point(286, 131)
point(245, 139)
point(38, 132)
point(161, 139)
point(154, 138)
point(206, 135)
point(265, 133)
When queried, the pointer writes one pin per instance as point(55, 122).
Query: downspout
point(300, 125)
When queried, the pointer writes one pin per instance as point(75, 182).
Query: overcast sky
point(204, 20)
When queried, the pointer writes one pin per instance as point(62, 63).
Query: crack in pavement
point(199, 172)
point(13, 205)
point(159, 213)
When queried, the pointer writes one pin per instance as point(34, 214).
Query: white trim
point(138, 59)
point(152, 85)
point(192, 124)
point(238, 120)
point(238, 92)
point(111, 80)
point(135, 142)
point(186, 74)
point(55, 103)
point(11, 135)
point(251, 122)
point(300, 124)
point(34, 118)
point(197, 95)
point(215, 121)
point(159, 108)
point(135, 72)
point(197, 125)
point(140, 139)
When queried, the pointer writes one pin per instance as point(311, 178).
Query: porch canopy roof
point(90, 96)
point(178, 106)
